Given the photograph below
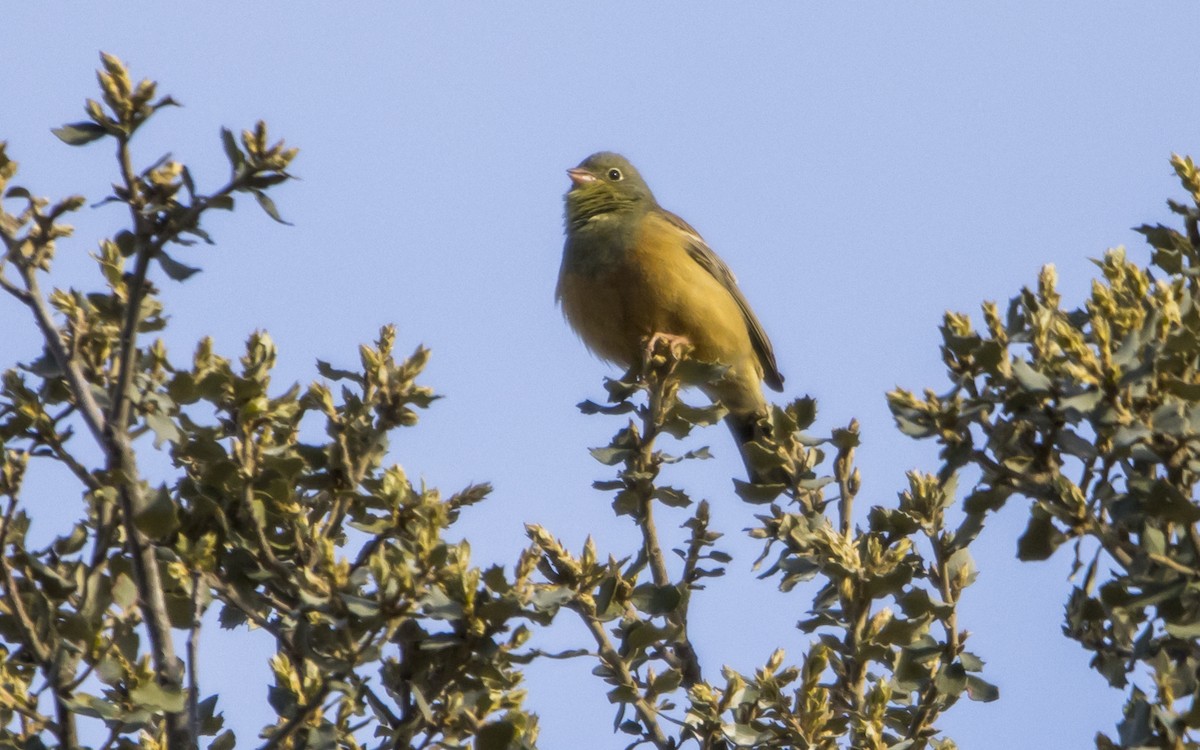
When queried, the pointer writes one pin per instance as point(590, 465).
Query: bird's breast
point(623, 282)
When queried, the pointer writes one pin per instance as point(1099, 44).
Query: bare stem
point(613, 661)
point(193, 658)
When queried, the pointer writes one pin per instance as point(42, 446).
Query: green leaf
point(672, 497)
point(699, 415)
point(1169, 419)
point(497, 735)
point(971, 662)
point(79, 133)
point(951, 680)
point(1083, 403)
point(981, 690)
point(165, 429)
point(591, 407)
point(1185, 631)
point(803, 411)
point(844, 439)
point(1183, 389)
point(656, 600)
point(329, 371)
point(268, 205)
point(124, 592)
point(962, 566)
point(361, 607)
point(667, 681)
point(232, 152)
point(757, 494)
point(157, 697)
point(1068, 442)
point(174, 269)
point(1041, 537)
point(160, 517)
point(1029, 378)
point(1165, 501)
point(126, 242)
point(225, 741)
point(610, 456)
point(221, 202)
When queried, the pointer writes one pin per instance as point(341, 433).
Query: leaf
point(1182, 388)
point(79, 133)
point(951, 680)
point(610, 456)
point(961, 567)
point(1083, 403)
point(803, 411)
point(591, 407)
point(1041, 537)
point(329, 371)
point(1165, 501)
point(497, 735)
point(656, 600)
point(174, 269)
point(231, 617)
point(152, 695)
point(979, 689)
point(1068, 442)
point(672, 497)
point(124, 592)
point(268, 205)
point(165, 429)
point(225, 741)
point(160, 517)
point(1029, 378)
point(757, 494)
point(1188, 632)
point(361, 607)
point(232, 152)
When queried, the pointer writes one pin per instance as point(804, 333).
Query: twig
point(81, 390)
point(613, 661)
point(193, 657)
point(301, 716)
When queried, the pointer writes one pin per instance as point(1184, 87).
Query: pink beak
point(580, 176)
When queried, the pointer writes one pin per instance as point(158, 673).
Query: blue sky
point(861, 167)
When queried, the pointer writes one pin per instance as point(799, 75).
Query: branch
point(193, 658)
point(298, 718)
point(11, 593)
point(613, 661)
point(80, 389)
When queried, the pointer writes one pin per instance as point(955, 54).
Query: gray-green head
point(602, 183)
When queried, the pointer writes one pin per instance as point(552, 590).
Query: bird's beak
point(580, 176)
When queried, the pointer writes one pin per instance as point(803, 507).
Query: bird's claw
point(667, 345)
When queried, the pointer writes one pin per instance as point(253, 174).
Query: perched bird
point(632, 270)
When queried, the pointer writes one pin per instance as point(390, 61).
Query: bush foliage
point(282, 511)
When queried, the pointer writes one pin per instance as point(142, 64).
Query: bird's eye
point(614, 174)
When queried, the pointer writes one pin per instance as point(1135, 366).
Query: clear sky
point(862, 168)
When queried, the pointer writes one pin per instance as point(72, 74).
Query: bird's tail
point(746, 428)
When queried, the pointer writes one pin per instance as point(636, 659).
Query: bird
point(632, 270)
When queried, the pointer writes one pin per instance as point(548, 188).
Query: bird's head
point(603, 183)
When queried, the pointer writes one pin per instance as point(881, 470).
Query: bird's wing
point(700, 252)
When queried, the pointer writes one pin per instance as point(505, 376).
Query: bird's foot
point(666, 345)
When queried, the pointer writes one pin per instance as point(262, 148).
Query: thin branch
point(193, 659)
point(11, 593)
point(652, 416)
point(298, 718)
point(12, 702)
point(81, 390)
point(613, 661)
